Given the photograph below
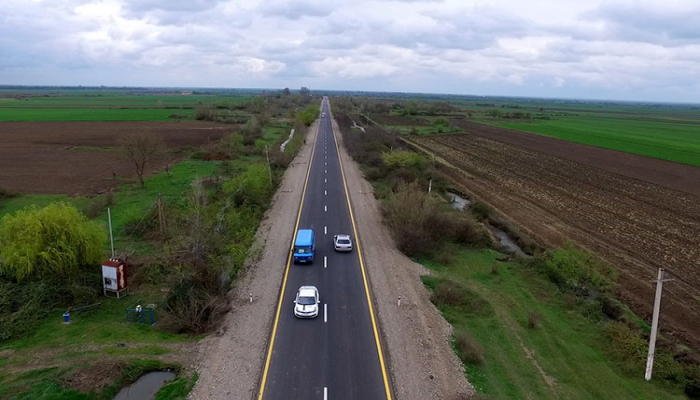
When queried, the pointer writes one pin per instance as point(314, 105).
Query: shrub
point(6, 193)
point(533, 319)
point(251, 187)
point(448, 293)
point(405, 159)
point(573, 269)
point(612, 308)
point(481, 211)
point(470, 350)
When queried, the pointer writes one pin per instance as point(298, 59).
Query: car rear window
point(343, 241)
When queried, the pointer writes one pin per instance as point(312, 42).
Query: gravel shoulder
point(229, 362)
point(415, 337)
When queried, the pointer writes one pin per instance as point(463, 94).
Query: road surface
point(338, 354)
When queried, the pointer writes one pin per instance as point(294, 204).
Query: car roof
point(304, 237)
point(307, 291)
point(342, 236)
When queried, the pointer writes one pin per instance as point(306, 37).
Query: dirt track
point(51, 157)
point(637, 226)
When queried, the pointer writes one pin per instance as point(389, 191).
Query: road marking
point(268, 359)
point(387, 389)
point(325, 193)
point(325, 262)
point(325, 163)
point(325, 208)
point(325, 393)
point(325, 180)
point(325, 171)
point(325, 230)
point(325, 312)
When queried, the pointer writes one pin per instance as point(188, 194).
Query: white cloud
point(614, 49)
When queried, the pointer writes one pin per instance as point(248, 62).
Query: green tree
point(405, 159)
point(305, 91)
point(51, 242)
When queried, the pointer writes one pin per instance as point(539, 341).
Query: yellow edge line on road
point(387, 389)
point(286, 273)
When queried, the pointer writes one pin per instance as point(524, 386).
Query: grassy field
point(105, 106)
point(674, 139)
point(670, 132)
point(563, 358)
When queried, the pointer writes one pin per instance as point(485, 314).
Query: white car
point(342, 243)
point(306, 302)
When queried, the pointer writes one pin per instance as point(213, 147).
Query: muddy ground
point(73, 157)
point(634, 224)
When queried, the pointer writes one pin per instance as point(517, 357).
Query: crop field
point(668, 133)
point(105, 106)
point(635, 225)
point(80, 157)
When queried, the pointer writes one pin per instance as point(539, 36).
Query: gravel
point(229, 362)
point(415, 337)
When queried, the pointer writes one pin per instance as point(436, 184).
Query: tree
point(286, 91)
point(140, 148)
point(305, 91)
point(51, 242)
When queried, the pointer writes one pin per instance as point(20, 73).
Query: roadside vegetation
point(545, 326)
point(185, 234)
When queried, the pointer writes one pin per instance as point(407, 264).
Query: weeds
point(470, 350)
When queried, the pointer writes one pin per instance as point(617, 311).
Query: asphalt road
point(333, 356)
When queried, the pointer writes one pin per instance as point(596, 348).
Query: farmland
point(106, 106)
point(634, 225)
point(76, 157)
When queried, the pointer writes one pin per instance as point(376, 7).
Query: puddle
point(507, 242)
point(458, 202)
point(146, 387)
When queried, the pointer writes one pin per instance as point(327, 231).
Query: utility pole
point(111, 237)
point(269, 169)
point(161, 219)
point(655, 323)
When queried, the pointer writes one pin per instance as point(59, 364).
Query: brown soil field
point(636, 226)
point(50, 157)
point(681, 177)
point(384, 119)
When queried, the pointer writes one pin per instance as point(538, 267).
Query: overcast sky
point(622, 49)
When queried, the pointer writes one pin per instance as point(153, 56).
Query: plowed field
point(635, 225)
point(79, 157)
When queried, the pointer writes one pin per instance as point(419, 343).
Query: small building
point(114, 278)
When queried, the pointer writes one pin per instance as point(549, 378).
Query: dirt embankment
point(682, 177)
point(70, 157)
point(230, 362)
point(415, 337)
point(635, 225)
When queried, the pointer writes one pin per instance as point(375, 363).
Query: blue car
point(304, 246)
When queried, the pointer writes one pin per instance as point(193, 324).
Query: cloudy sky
point(622, 49)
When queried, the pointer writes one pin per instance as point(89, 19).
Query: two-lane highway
point(338, 354)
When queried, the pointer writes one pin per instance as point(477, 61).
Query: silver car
point(306, 302)
point(342, 243)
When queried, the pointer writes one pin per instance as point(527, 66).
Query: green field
point(670, 132)
point(106, 106)
point(674, 139)
point(564, 358)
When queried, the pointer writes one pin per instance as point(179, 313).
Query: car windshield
point(343, 241)
point(303, 249)
point(306, 300)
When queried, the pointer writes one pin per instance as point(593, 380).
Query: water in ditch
point(146, 387)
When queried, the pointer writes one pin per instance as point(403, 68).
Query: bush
point(533, 319)
point(578, 271)
point(7, 193)
point(406, 160)
point(481, 211)
point(251, 187)
point(448, 293)
point(470, 350)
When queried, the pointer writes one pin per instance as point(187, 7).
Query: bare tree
point(141, 148)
